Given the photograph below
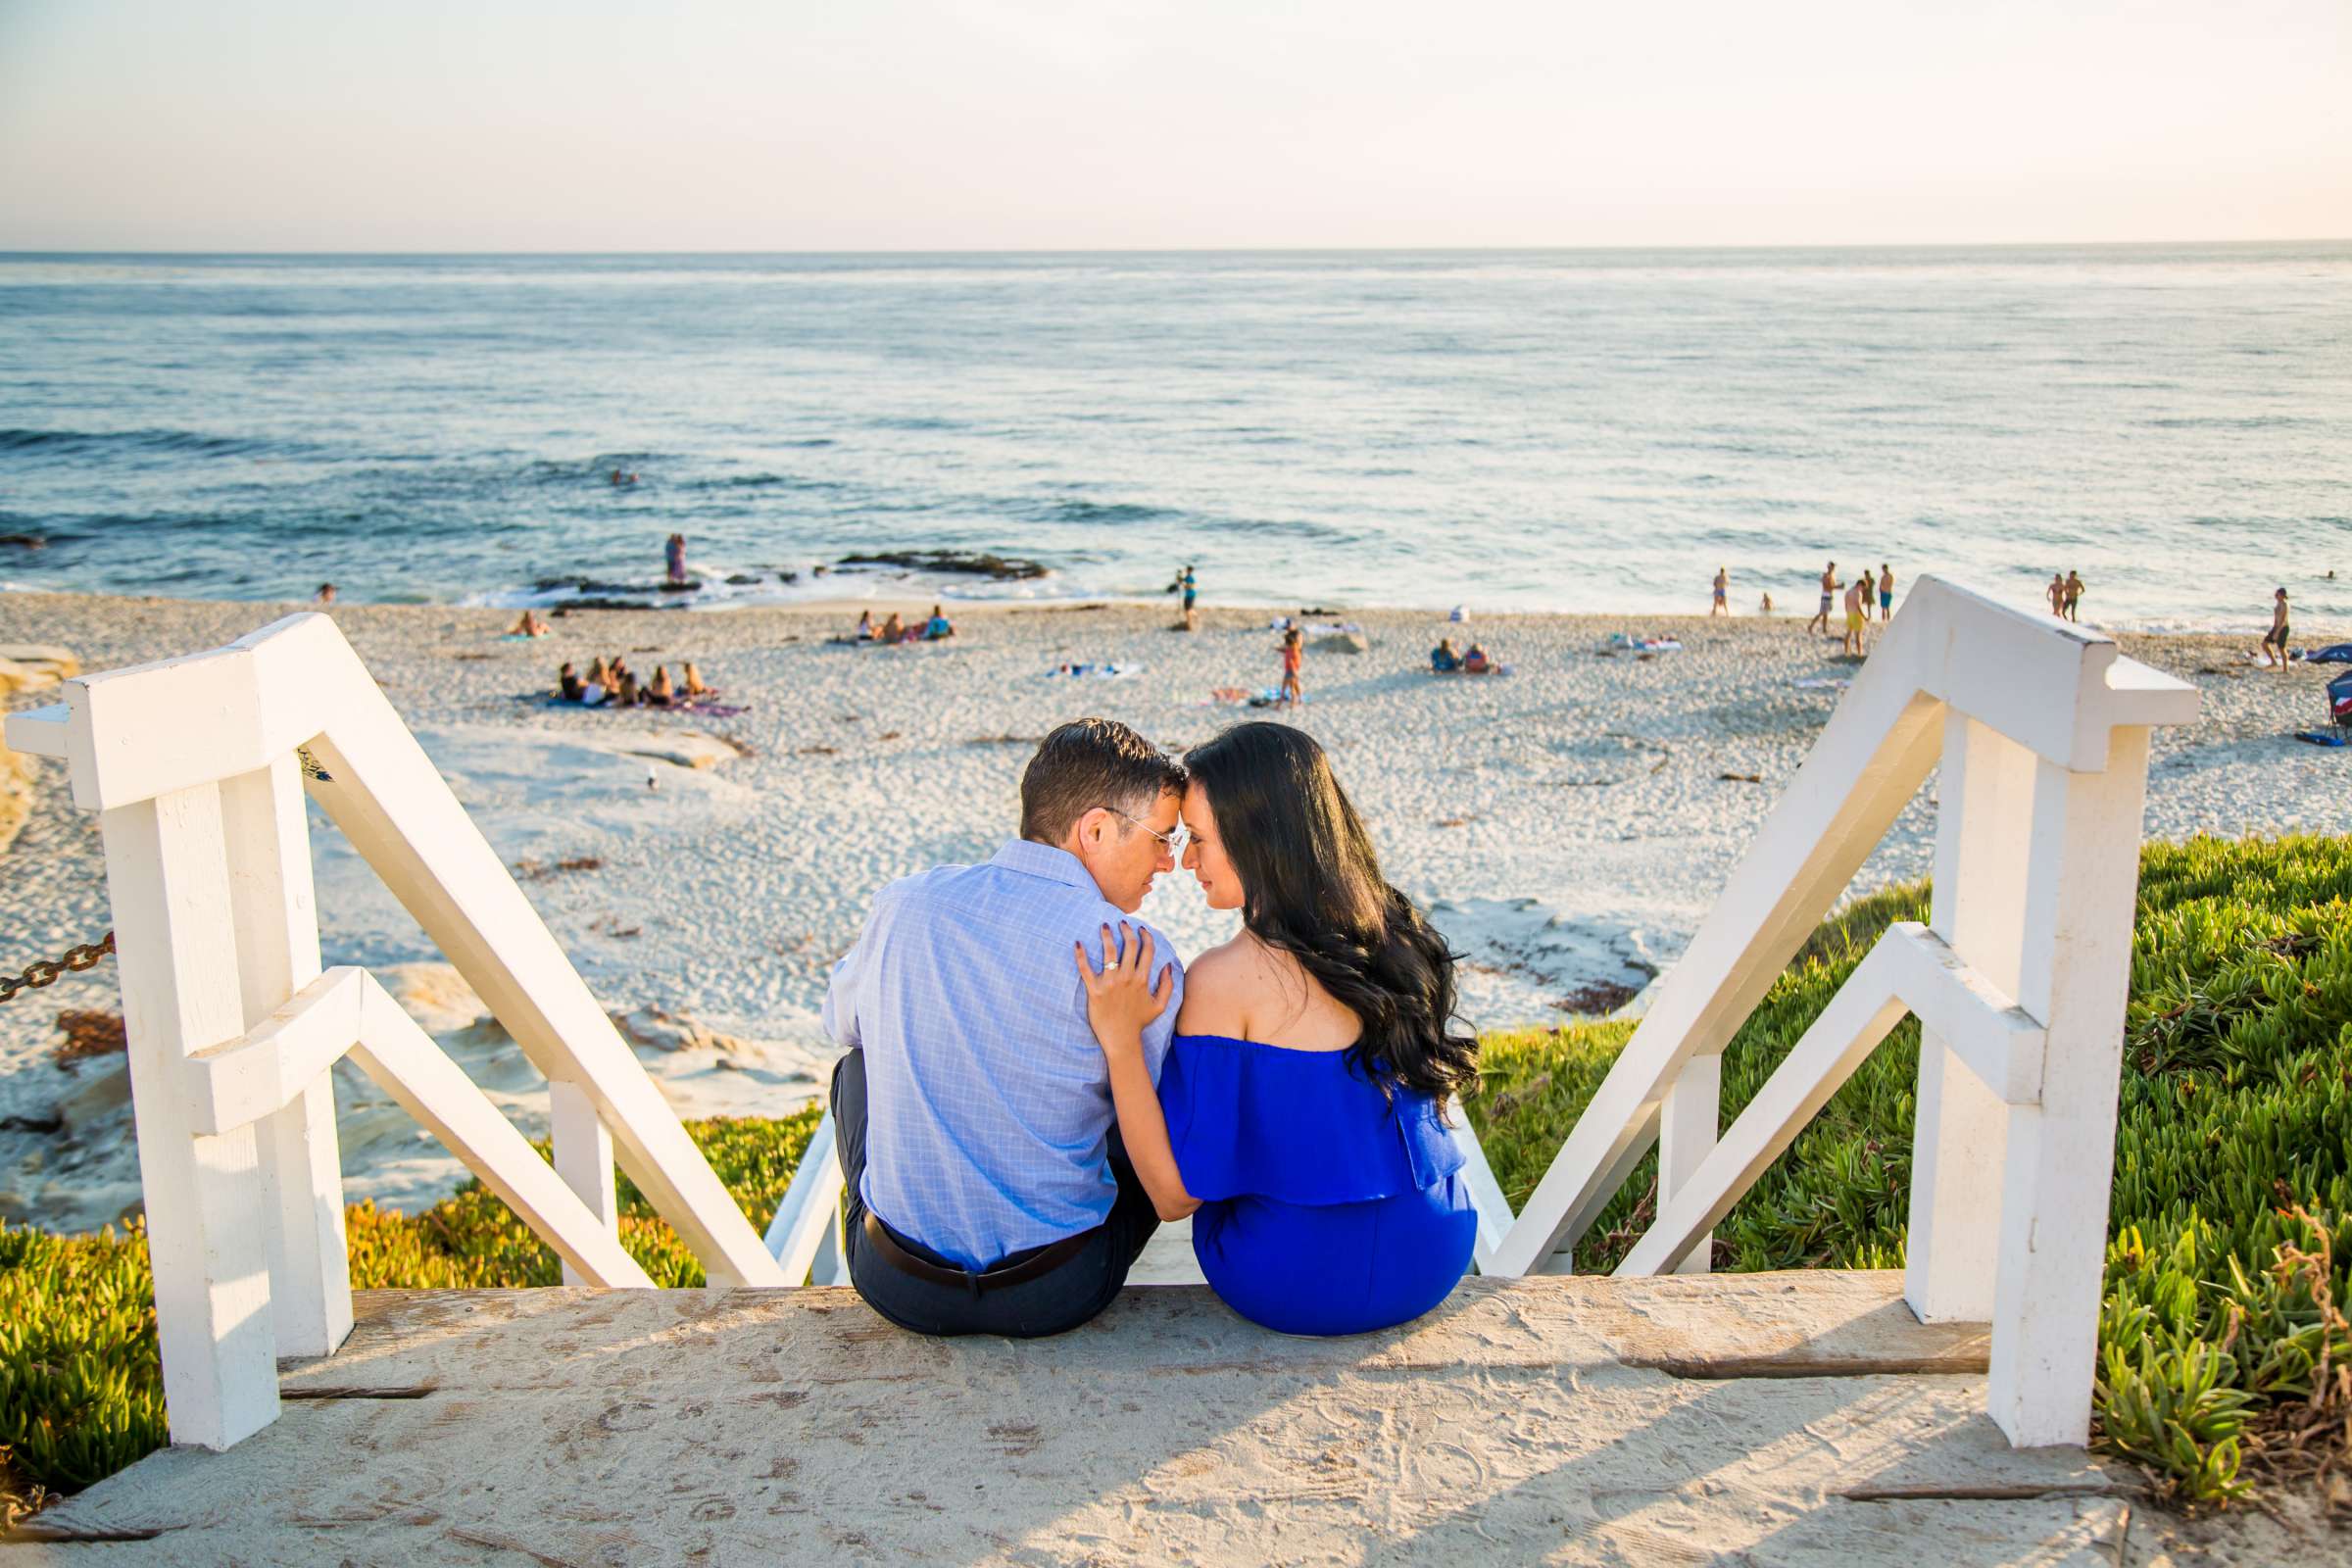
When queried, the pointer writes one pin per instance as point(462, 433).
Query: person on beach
point(937, 626)
point(2055, 592)
point(1442, 660)
point(1885, 592)
point(1476, 663)
point(627, 693)
point(528, 624)
point(1190, 588)
point(694, 686)
point(1293, 655)
point(2074, 593)
point(1299, 1118)
point(1722, 589)
point(893, 630)
point(1765, 608)
point(325, 594)
point(673, 552)
point(659, 692)
point(2274, 641)
point(567, 683)
point(865, 625)
point(1857, 614)
point(986, 1187)
point(1828, 592)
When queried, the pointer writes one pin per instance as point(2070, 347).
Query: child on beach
point(1294, 652)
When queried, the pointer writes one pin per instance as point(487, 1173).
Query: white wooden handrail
point(191, 764)
point(2042, 733)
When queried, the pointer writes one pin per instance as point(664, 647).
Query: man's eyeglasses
point(1173, 843)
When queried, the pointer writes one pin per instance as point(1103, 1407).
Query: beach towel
point(2338, 653)
point(1106, 670)
point(1820, 684)
point(1619, 642)
point(2320, 737)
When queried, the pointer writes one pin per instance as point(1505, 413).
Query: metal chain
point(46, 971)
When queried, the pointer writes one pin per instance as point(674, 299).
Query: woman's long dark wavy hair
point(1312, 887)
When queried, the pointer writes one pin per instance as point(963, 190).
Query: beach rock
point(975, 564)
point(1341, 642)
point(97, 1102)
point(25, 670)
point(680, 747)
point(659, 1030)
point(435, 995)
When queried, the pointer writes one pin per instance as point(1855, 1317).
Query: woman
point(694, 681)
point(660, 691)
point(1299, 1117)
point(1443, 659)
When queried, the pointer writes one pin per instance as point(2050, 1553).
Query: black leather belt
point(1045, 1260)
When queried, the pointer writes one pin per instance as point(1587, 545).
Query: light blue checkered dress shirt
point(988, 1104)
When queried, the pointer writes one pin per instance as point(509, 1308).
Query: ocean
point(1570, 431)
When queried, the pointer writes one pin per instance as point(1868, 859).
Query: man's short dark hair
point(1090, 762)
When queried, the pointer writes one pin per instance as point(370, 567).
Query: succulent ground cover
point(2226, 1355)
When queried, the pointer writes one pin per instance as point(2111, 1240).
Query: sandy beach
point(1568, 825)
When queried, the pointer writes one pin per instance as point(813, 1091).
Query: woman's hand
point(1120, 1001)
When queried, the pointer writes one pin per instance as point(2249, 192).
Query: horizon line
point(1231, 249)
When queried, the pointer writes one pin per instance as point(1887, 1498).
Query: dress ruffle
point(1247, 1119)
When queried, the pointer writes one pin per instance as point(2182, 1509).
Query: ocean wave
point(1110, 512)
point(162, 443)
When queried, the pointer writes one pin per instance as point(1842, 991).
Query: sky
point(1051, 125)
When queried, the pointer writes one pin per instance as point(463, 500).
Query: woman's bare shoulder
point(1216, 989)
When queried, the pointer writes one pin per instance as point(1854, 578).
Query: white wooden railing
point(2018, 980)
point(194, 768)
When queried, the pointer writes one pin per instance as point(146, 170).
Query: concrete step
point(1796, 1418)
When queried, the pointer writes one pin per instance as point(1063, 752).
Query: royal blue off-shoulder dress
point(1324, 1208)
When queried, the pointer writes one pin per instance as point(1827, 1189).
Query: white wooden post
point(277, 923)
point(168, 878)
point(1688, 1124)
point(1985, 799)
point(583, 1148)
point(2082, 886)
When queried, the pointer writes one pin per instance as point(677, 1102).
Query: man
point(986, 1191)
point(2275, 637)
point(1722, 589)
point(1828, 591)
point(2074, 593)
point(1857, 613)
point(1885, 591)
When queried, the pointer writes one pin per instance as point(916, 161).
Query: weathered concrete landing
point(1762, 1418)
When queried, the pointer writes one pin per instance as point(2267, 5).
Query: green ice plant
point(2226, 1269)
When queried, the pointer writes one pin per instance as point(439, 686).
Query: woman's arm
point(1119, 1003)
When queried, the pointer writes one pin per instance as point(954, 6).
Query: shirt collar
point(1032, 859)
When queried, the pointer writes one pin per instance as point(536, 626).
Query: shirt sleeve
point(841, 996)
point(1160, 1030)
